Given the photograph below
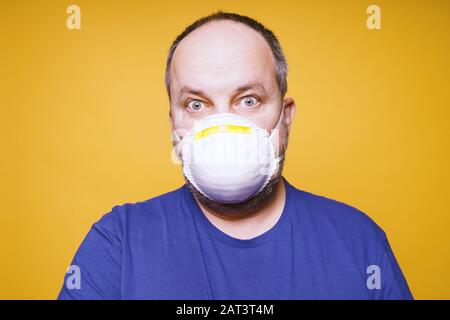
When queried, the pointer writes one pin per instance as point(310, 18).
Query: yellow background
point(84, 122)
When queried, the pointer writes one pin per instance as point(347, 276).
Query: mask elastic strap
point(278, 122)
point(279, 158)
point(176, 136)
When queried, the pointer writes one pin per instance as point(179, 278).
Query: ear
point(289, 108)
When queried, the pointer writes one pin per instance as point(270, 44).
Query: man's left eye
point(249, 102)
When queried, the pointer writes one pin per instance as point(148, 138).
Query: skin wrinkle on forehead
point(213, 49)
point(224, 68)
point(250, 85)
point(222, 75)
point(233, 60)
point(264, 87)
point(236, 58)
point(220, 70)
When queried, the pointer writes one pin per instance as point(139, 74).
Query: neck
point(250, 225)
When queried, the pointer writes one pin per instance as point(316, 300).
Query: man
point(237, 229)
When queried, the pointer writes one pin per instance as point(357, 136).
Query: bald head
point(219, 40)
point(220, 56)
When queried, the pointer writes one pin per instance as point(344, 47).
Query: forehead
point(221, 54)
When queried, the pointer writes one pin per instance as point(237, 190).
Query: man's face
point(226, 66)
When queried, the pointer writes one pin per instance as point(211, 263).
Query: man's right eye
point(195, 105)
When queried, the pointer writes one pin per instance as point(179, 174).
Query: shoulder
point(144, 213)
point(341, 214)
point(340, 222)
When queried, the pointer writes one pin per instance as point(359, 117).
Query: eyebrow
point(240, 89)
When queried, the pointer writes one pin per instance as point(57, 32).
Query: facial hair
point(254, 203)
point(241, 209)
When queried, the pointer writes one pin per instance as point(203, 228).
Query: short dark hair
point(280, 60)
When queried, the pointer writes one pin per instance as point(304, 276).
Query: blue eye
point(249, 102)
point(195, 105)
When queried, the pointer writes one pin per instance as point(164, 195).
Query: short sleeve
point(95, 272)
point(393, 283)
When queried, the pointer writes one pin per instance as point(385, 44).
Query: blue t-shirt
point(166, 248)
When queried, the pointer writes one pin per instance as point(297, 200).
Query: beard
point(244, 208)
point(252, 204)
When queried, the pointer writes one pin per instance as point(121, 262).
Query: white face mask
point(228, 158)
